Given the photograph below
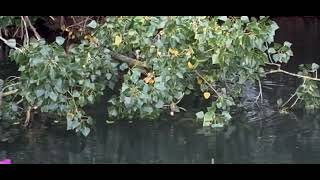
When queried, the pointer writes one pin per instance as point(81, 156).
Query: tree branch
point(9, 93)
point(126, 59)
point(292, 74)
point(207, 83)
point(33, 28)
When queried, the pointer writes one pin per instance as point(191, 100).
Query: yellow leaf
point(199, 80)
point(206, 95)
point(117, 40)
point(190, 65)
point(189, 52)
point(149, 79)
point(174, 52)
point(158, 53)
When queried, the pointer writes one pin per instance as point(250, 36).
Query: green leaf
point(53, 96)
point(90, 99)
point(22, 68)
point(123, 66)
point(85, 131)
point(227, 115)
point(288, 44)
point(39, 92)
point(159, 104)
point(200, 115)
point(276, 57)
point(315, 67)
point(127, 101)
point(60, 40)
point(90, 120)
point(75, 94)
point(179, 75)
point(277, 46)
point(208, 116)
point(271, 51)
point(244, 18)
point(108, 76)
point(223, 18)
point(70, 116)
point(160, 86)
point(215, 59)
point(14, 107)
point(11, 43)
point(148, 109)
point(92, 24)
point(75, 124)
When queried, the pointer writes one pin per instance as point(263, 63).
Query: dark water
point(259, 134)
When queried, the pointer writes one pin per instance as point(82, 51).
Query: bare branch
point(33, 28)
point(9, 93)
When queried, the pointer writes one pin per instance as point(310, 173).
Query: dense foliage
point(155, 60)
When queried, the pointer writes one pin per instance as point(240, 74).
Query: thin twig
point(20, 101)
point(16, 32)
point(295, 93)
point(207, 83)
point(295, 102)
point(10, 85)
point(26, 29)
point(274, 64)
point(9, 93)
point(292, 74)
point(13, 78)
point(289, 99)
point(33, 28)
